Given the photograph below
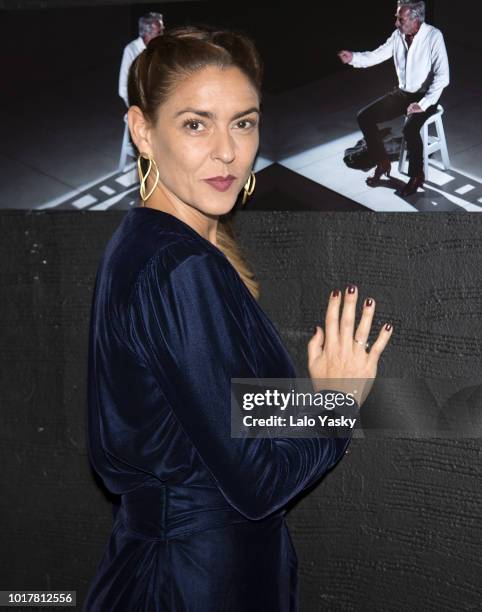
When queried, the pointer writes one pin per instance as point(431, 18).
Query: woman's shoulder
point(187, 259)
point(187, 265)
point(161, 234)
point(151, 243)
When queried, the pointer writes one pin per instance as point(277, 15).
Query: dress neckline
point(183, 225)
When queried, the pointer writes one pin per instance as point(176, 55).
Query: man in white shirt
point(151, 25)
point(421, 62)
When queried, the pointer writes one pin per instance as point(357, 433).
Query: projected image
point(378, 112)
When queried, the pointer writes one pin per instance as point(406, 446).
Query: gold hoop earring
point(249, 187)
point(143, 177)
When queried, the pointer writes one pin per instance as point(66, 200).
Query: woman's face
point(207, 128)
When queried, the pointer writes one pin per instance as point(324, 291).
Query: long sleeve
point(441, 72)
point(187, 322)
point(365, 59)
point(126, 62)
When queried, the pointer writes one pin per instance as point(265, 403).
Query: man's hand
point(345, 56)
point(414, 108)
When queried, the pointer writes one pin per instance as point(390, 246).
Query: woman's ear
point(139, 129)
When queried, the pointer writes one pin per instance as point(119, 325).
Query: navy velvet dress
point(200, 526)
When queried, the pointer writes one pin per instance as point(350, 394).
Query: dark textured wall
point(394, 527)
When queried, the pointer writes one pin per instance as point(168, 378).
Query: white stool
point(127, 148)
point(430, 143)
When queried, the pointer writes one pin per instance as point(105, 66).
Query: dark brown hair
point(176, 55)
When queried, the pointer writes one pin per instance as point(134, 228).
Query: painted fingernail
point(368, 302)
point(315, 329)
point(335, 292)
point(388, 327)
point(351, 288)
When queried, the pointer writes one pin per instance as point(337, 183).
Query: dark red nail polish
point(388, 327)
point(351, 288)
point(315, 329)
point(335, 292)
point(368, 302)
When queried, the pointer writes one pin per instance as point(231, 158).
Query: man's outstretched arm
point(365, 59)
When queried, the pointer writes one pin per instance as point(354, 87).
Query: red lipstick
point(221, 183)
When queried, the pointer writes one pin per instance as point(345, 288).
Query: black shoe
point(413, 184)
point(383, 167)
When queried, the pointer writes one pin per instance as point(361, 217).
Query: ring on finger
point(364, 344)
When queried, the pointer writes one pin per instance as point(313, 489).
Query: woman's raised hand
point(338, 357)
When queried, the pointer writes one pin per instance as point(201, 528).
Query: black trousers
point(392, 105)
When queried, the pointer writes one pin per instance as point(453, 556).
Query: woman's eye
point(246, 123)
point(195, 123)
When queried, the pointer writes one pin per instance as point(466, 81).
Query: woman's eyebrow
point(210, 115)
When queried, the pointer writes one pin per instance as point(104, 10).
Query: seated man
point(421, 62)
point(150, 26)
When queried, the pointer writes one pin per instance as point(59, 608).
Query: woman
point(201, 522)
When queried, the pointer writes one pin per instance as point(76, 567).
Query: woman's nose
point(224, 148)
